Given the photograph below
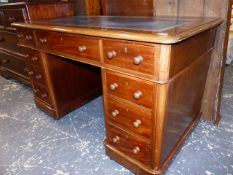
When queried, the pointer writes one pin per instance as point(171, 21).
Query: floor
point(31, 143)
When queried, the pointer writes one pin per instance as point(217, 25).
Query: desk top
point(147, 29)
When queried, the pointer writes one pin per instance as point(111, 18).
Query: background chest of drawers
point(12, 59)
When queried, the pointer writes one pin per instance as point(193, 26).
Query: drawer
point(9, 41)
point(135, 57)
point(41, 93)
point(131, 89)
point(69, 45)
point(37, 75)
point(134, 147)
point(14, 64)
point(25, 37)
point(33, 58)
point(13, 15)
point(129, 117)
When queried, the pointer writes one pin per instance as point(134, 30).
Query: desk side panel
point(185, 94)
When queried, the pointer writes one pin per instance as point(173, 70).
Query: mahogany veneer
point(153, 80)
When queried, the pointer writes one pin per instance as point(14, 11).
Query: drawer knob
point(44, 96)
point(20, 35)
point(34, 58)
point(28, 37)
point(137, 95)
point(11, 19)
point(4, 61)
point(2, 40)
point(113, 86)
point(82, 48)
point(137, 123)
point(38, 77)
point(26, 69)
point(43, 40)
point(138, 60)
point(115, 113)
point(36, 91)
point(116, 139)
point(136, 150)
point(111, 54)
point(31, 73)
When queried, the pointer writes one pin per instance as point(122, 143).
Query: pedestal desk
point(152, 72)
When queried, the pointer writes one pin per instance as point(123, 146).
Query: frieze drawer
point(131, 56)
point(69, 45)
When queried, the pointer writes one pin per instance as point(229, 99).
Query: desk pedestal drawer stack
point(152, 92)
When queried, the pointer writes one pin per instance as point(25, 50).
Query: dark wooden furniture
point(12, 60)
point(153, 78)
point(87, 7)
point(128, 7)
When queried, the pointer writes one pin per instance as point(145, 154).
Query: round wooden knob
point(36, 91)
point(137, 95)
point(38, 77)
point(115, 113)
point(43, 40)
point(28, 37)
point(82, 48)
point(111, 54)
point(5, 61)
point(113, 86)
point(20, 35)
point(136, 150)
point(2, 40)
point(26, 69)
point(137, 123)
point(31, 73)
point(34, 58)
point(138, 60)
point(44, 96)
point(11, 19)
point(116, 139)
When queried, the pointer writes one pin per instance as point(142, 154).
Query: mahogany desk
point(153, 73)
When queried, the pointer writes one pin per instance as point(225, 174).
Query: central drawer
point(25, 37)
point(69, 45)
